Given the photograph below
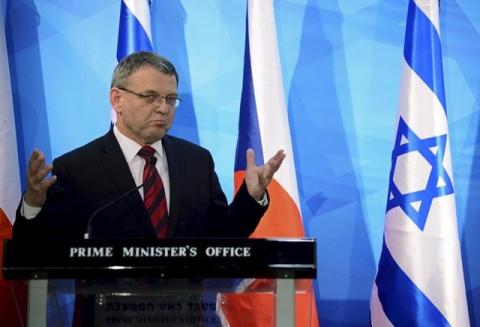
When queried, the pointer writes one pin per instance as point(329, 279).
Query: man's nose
point(161, 105)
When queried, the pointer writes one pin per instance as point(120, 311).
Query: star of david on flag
point(432, 180)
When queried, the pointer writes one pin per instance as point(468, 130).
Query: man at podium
point(137, 181)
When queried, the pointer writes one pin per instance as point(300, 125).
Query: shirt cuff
point(28, 211)
point(264, 201)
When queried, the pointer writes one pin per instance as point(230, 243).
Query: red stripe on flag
point(255, 307)
point(13, 295)
point(5, 227)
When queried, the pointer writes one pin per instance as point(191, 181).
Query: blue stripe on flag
point(402, 301)
point(423, 52)
point(131, 35)
point(248, 131)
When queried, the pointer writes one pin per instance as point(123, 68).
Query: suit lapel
point(116, 167)
point(175, 176)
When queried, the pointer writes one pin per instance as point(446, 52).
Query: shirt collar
point(130, 148)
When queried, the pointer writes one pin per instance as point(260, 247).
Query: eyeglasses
point(170, 100)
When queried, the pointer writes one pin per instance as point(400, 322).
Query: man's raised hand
point(257, 178)
point(38, 181)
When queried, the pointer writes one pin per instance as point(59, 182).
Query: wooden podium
point(140, 273)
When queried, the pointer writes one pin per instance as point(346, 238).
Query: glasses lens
point(150, 98)
point(171, 100)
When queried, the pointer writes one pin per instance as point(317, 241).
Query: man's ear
point(116, 99)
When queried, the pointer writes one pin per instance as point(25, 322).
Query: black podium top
point(168, 258)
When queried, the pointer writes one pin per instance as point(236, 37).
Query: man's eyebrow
point(152, 92)
point(149, 92)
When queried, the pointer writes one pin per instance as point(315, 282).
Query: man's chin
point(154, 137)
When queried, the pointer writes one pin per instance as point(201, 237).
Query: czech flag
point(264, 127)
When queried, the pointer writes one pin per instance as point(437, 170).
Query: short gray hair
point(133, 62)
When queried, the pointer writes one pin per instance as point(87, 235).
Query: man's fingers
point(37, 169)
point(35, 154)
point(41, 173)
point(279, 154)
point(38, 172)
point(38, 181)
point(36, 160)
point(250, 158)
point(275, 162)
point(264, 174)
point(45, 185)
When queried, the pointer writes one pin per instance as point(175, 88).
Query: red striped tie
point(154, 192)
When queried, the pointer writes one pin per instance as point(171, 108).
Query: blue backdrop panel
point(341, 64)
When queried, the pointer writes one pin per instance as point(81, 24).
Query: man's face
point(138, 117)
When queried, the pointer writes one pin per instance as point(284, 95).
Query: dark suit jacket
point(96, 173)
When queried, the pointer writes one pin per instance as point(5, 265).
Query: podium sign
point(173, 282)
point(169, 258)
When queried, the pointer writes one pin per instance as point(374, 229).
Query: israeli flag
point(420, 276)
point(134, 31)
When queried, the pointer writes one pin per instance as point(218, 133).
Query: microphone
point(86, 236)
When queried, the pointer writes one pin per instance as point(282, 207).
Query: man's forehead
point(150, 73)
